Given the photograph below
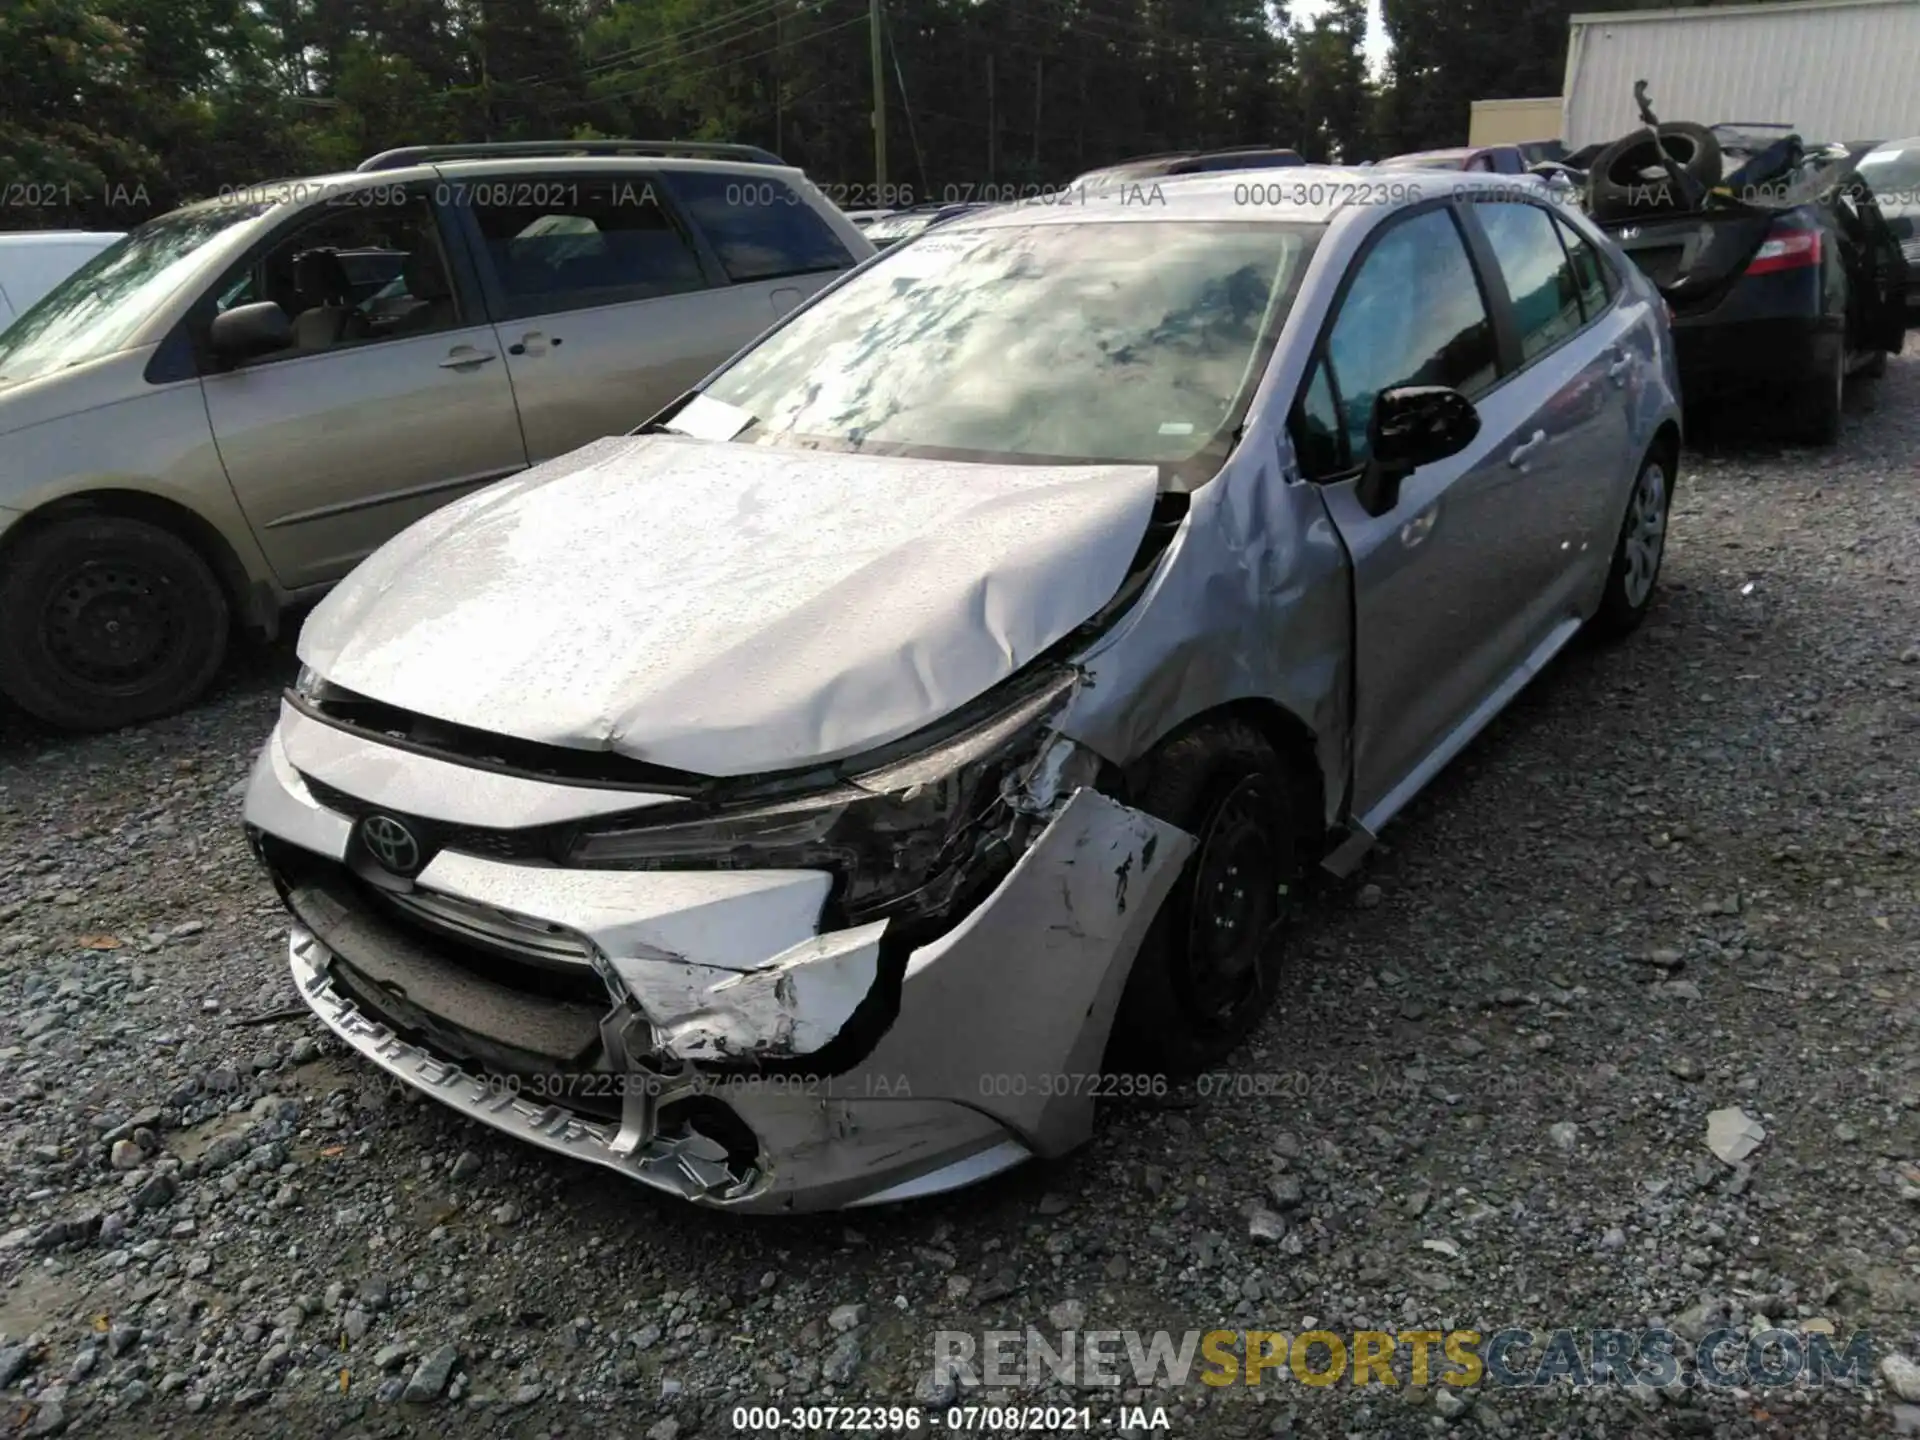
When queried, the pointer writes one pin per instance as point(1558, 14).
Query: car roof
point(297, 188)
point(1416, 157)
point(1300, 194)
point(1174, 161)
point(28, 238)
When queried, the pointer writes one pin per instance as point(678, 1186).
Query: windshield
point(98, 308)
point(1128, 341)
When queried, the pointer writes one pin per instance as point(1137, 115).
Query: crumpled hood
point(729, 609)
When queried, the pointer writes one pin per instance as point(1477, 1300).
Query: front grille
point(535, 844)
point(520, 937)
point(428, 986)
point(516, 951)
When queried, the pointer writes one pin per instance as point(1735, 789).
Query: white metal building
point(1833, 69)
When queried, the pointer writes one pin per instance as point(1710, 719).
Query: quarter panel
point(108, 429)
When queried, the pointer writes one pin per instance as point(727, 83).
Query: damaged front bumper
point(604, 1014)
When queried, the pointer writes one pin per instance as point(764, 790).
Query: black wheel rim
point(1236, 905)
point(111, 623)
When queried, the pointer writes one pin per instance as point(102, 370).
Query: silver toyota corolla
point(832, 792)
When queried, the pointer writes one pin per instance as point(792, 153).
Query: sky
point(1376, 29)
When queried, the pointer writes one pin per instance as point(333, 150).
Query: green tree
point(1335, 100)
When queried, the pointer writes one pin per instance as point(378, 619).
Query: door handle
point(1417, 529)
point(467, 359)
point(534, 342)
point(1617, 372)
point(1523, 452)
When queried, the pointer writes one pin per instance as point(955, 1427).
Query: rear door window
point(572, 245)
point(1539, 275)
point(1591, 272)
point(761, 227)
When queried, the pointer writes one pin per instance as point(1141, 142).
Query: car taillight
point(1787, 250)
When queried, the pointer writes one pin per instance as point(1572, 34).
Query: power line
point(722, 43)
point(722, 65)
point(1246, 45)
point(656, 51)
point(675, 37)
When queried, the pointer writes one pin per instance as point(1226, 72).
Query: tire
point(1817, 410)
point(1619, 181)
point(1638, 551)
point(1876, 368)
point(105, 621)
point(1206, 972)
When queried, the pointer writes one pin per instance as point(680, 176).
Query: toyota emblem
point(392, 843)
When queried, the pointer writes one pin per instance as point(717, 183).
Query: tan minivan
point(224, 412)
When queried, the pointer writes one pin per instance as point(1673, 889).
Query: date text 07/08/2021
point(967, 1419)
point(1300, 1086)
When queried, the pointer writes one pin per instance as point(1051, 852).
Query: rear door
point(1570, 353)
point(1445, 585)
point(612, 297)
point(601, 302)
point(381, 412)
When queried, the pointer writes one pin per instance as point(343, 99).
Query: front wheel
point(105, 621)
point(1639, 550)
point(1206, 972)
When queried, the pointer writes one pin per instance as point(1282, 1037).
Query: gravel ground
point(1680, 875)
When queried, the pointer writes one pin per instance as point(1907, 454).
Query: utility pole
point(990, 118)
point(1039, 84)
point(879, 104)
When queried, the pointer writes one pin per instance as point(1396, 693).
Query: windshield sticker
point(930, 256)
point(705, 418)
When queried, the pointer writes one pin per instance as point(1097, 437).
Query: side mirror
point(249, 330)
point(1412, 425)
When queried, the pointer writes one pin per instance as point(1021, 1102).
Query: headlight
point(311, 687)
point(904, 839)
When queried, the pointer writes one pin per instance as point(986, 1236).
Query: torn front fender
point(1010, 1011)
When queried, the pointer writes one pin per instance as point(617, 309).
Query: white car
point(33, 262)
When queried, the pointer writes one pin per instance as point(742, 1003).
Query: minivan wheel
point(1206, 972)
point(105, 621)
point(1639, 550)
